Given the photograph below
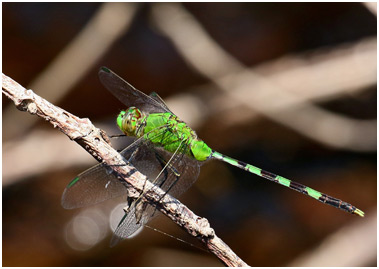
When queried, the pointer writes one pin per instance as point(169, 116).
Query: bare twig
point(92, 140)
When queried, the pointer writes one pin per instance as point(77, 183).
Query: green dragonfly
point(167, 151)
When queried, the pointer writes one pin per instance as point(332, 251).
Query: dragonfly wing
point(176, 174)
point(128, 225)
point(99, 183)
point(93, 186)
point(181, 172)
point(159, 99)
point(129, 95)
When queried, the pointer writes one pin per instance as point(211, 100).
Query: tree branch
point(94, 141)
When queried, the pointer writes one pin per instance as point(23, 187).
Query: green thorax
point(164, 130)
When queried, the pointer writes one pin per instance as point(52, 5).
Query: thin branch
point(94, 142)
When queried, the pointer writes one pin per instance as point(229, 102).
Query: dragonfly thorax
point(129, 121)
point(164, 130)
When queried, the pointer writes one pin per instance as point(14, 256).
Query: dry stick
point(93, 140)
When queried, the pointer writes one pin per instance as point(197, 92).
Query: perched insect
point(167, 150)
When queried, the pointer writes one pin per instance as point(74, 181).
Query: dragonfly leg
point(117, 136)
point(169, 165)
point(140, 209)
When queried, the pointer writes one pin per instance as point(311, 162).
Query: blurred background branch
point(268, 96)
point(337, 250)
point(74, 62)
point(291, 81)
point(372, 6)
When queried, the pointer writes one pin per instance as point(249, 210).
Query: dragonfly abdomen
point(319, 196)
point(200, 150)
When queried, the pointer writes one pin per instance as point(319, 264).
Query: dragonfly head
point(129, 120)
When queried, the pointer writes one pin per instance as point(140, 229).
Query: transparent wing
point(93, 186)
point(159, 99)
point(128, 225)
point(145, 159)
point(177, 172)
point(129, 95)
point(99, 183)
point(180, 172)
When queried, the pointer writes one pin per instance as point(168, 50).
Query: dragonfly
point(167, 151)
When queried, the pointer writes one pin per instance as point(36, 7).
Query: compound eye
point(128, 120)
point(130, 123)
point(137, 114)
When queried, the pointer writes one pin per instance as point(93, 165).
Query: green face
point(128, 120)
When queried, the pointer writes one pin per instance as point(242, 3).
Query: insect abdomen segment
point(324, 198)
